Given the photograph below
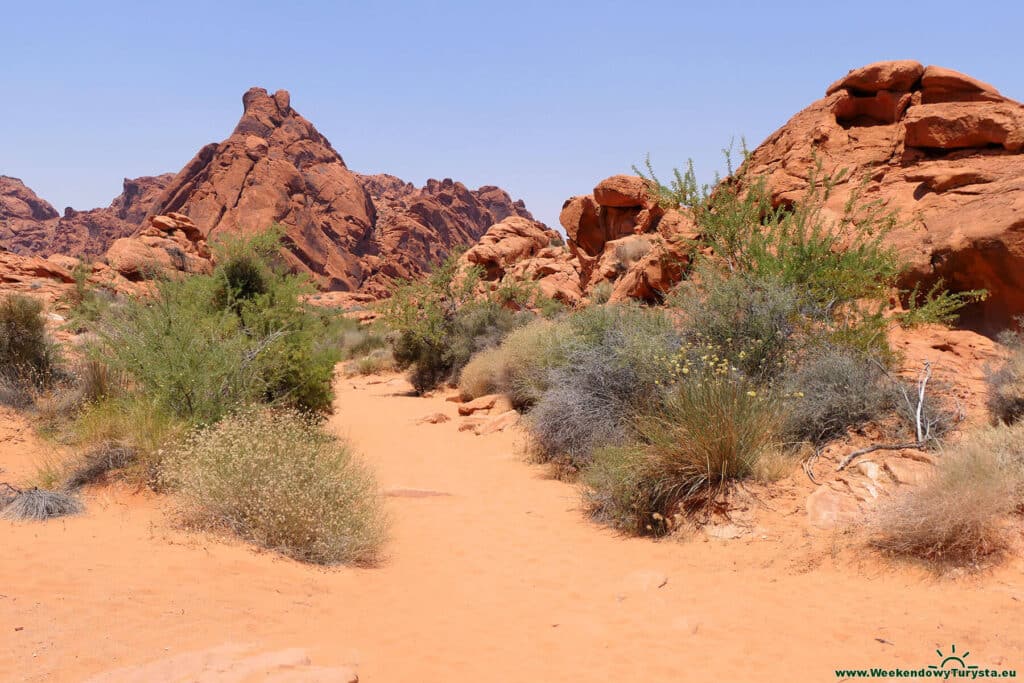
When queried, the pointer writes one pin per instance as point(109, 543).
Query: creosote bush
point(208, 344)
point(278, 481)
point(28, 359)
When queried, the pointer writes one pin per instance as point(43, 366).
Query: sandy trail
point(500, 579)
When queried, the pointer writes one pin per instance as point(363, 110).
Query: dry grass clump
point(1006, 384)
point(484, 374)
point(713, 428)
point(39, 505)
point(959, 516)
point(277, 480)
point(128, 423)
point(98, 462)
point(376, 362)
point(521, 366)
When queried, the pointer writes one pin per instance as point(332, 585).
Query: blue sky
point(542, 98)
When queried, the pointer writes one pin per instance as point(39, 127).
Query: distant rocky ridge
point(31, 226)
point(347, 231)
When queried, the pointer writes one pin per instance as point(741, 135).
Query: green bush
point(438, 324)
point(713, 427)
point(750, 320)
point(833, 390)
point(278, 481)
point(840, 263)
point(28, 359)
point(208, 344)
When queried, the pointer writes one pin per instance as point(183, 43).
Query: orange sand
point(501, 579)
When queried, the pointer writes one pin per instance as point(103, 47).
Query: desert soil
point(492, 573)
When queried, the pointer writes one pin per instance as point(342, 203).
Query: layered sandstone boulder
point(524, 250)
point(172, 244)
point(622, 236)
point(941, 148)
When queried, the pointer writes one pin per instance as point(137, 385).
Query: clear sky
point(541, 98)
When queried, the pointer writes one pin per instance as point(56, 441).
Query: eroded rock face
point(90, 233)
point(416, 227)
point(943, 149)
point(25, 219)
point(29, 225)
point(172, 244)
point(346, 231)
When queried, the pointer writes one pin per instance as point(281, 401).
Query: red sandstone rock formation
point(171, 244)
point(943, 149)
point(348, 232)
point(30, 225)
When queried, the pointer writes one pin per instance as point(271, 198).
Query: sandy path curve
point(497, 576)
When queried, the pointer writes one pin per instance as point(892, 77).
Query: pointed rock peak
point(263, 112)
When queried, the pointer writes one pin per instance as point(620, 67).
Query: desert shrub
point(132, 422)
point(530, 354)
point(632, 250)
point(936, 305)
point(752, 321)
point(601, 293)
point(614, 360)
point(832, 390)
point(956, 517)
point(438, 324)
point(207, 344)
point(361, 342)
point(39, 505)
point(87, 304)
point(713, 427)
point(1005, 400)
point(98, 462)
point(520, 367)
point(840, 262)
point(276, 480)
point(28, 359)
point(374, 363)
point(520, 294)
point(477, 326)
point(484, 374)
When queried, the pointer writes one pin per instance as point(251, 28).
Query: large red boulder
point(939, 147)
